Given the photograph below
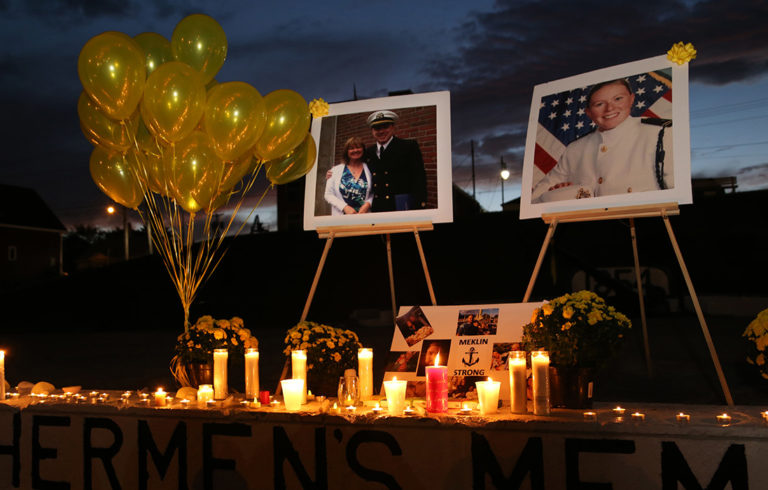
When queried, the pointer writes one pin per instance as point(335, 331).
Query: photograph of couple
point(378, 163)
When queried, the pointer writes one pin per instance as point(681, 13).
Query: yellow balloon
point(111, 69)
point(234, 118)
point(293, 165)
point(112, 173)
point(199, 41)
point(287, 123)
point(235, 171)
point(110, 133)
point(174, 101)
point(195, 172)
point(157, 49)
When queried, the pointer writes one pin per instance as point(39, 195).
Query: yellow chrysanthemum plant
point(196, 345)
point(577, 329)
point(330, 351)
point(757, 337)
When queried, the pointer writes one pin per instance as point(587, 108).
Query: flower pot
point(192, 373)
point(571, 387)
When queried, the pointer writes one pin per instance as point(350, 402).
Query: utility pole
point(472, 151)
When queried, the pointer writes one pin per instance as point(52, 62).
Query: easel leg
point(391, 277)
point(424, 265)
point(542, 253)
point(639, 281)
point(699, 313)
point(328, 244)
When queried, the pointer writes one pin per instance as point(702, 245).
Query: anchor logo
point(472, 353)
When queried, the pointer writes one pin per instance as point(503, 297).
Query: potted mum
point(330, 351)
point(580, 332)
point(757, 336)
point(192, 365)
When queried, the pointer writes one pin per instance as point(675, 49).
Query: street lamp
point(504, 176)
point(126, 232)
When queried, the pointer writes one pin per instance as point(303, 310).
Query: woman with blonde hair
point(349, 189)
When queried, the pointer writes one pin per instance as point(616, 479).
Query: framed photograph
point(612, 137)
point(379, 161)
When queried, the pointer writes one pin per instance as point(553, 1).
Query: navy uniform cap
point(382, 117)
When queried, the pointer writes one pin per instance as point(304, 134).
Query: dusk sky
point(489, 55)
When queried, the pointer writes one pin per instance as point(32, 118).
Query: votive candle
point(160, 397)
point(299, 370)
point(204, 394)
point(395, 391)
point(220, 388)
point(683, 418)
point(592, 416)
point(638, 417)
point(251, 373)
point(488, 394)
point(518, 382)
point(724, 419)
point(437, 387)
point(365, 372)
point(292, 393)
point(540, 368)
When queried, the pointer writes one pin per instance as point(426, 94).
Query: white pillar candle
point(365, 371)
point(2, 375)
point(395, 391)
point(220, 388)
point(204, 395)
point(488, 395)
point(299, 370)
point(251, 373)
point(518, 382)
point(160, 397)
point(292, 393)
point(540, 368)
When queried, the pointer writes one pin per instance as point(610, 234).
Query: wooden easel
point(643, 211)
point(331, 232)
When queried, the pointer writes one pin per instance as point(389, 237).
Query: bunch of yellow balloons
point(161, 123)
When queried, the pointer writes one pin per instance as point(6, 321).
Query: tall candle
point(292, 393)
point(437, 387)
point(299, 370)
point(518, 382)
point(220, 388)
point(2, 375)
point(488, 394)
point(365, 372)
point(540, 368)
point(395, 390)
point(251, 373)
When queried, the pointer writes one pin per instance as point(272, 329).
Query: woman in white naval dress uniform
point(625, 154)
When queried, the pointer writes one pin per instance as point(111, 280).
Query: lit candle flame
point(437, 359)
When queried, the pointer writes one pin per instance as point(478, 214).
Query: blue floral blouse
point(353, 190)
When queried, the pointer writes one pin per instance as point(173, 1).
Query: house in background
point(31, 237)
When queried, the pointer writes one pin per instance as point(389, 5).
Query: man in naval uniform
point(625, 154)
point(397, 167)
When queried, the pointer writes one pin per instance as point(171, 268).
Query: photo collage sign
point(474, 341)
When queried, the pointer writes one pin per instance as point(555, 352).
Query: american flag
point(562, 117)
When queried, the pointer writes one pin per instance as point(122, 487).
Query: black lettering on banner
point(284, 451)
point(366, 436)
point(732, 468)
point(209, 462)
point(105, 454)
point(575, 446)
point(530, 461)
point(39, 452)
point(162, 461)
point(14, 450)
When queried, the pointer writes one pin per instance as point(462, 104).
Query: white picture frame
point(546, 142)
point(435, 144)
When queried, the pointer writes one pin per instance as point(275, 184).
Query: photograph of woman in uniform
point(621, 154)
